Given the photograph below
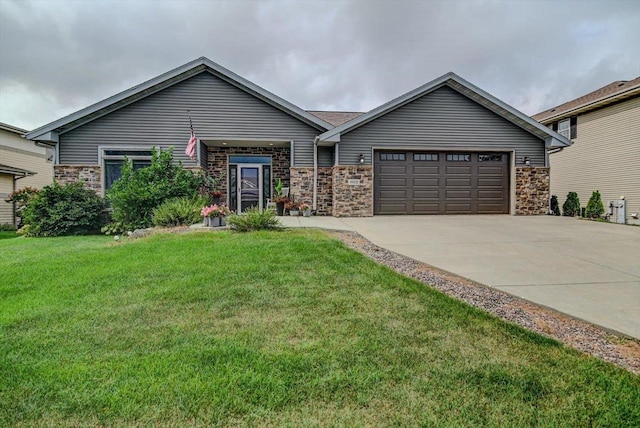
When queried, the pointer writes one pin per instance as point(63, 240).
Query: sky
point(57, 57)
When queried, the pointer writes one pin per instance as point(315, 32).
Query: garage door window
point(392, 156)
point(425, 157)
point(492, 157)
point(459, 157)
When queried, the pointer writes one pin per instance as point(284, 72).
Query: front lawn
point(8, 234)
point(281, 328)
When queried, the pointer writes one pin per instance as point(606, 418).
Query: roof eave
point(11, 128)
point(593, 105)
point(5, 169)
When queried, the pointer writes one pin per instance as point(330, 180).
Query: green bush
point(555, 206)
point(595, 208)
point(253, 219)
point(137, 193)
point(571, 206)
point(20, 198)
point(179, 211)
point(63, 210)
point(7, 227)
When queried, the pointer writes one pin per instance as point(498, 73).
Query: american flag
point(191, 146)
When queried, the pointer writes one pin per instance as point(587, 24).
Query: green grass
point(7, 234)
point(288, 328)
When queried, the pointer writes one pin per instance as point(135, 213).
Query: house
point(22, 164)
point(447, 147)
point(604, 126)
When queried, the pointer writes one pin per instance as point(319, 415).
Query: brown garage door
point(441, 183)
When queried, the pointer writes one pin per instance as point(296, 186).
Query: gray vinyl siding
point(442, 119)
point(325, 156)
point(219, 110)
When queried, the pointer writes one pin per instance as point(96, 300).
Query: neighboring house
point(22, 164)
point(604, 126)
point(447, 147)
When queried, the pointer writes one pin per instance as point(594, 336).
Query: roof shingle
point(608, 91)
point(336, 118)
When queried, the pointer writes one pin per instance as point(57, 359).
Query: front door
point(249, 187)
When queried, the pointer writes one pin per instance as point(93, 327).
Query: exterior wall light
point(526, 161)
point(361, 159)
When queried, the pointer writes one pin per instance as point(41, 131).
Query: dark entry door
point(441, 183)
point(249, 187)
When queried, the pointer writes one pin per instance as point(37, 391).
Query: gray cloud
point(59, 56)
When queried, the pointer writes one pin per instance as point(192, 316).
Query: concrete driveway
point(586, 269)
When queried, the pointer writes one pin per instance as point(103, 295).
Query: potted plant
point(306, 209)
point(280, 199)
point(214, 215)
point(210, 189)
point(293, 208)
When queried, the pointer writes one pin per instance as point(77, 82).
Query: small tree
point(138, 192)
point(555, 207)
point(595, 208)
point(571, 206)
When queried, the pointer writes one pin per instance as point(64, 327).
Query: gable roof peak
point(465, 88)
point(165, 80)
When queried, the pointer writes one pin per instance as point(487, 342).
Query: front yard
point(281, 328)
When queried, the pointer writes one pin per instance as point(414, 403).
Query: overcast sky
point(57, 57)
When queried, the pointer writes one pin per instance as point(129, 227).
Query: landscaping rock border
point(581, 335)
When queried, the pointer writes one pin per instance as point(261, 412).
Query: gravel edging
point(581, 335)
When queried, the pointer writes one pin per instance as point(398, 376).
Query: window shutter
point(574, 127)
point(554, 126)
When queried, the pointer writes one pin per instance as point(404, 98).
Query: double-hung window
point(113, 160)
point(564, 128)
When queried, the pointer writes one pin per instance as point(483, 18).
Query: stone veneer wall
point(302, 187)
point(217, 162)
point(352, 200)
point(91, 175)
point(532, 190)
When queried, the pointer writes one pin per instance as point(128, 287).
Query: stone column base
point(532, 190)
point(352, 191)
point(302, 187)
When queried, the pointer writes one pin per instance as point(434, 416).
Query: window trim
point(102, 157)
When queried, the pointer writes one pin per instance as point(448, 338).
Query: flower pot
point(306, 213)
point(215, 221)
point(294, 213)
point(223, 221)
point(280, 208)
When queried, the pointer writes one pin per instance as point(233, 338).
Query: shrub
point(21, 198)
point(63, 210)
point(595, 208)
point(137, 193)
point(571, 206)
point(179, 211)
point(555, 207)
point(7, 227)
point(253, 219)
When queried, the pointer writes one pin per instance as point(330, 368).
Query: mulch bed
point(606, 345)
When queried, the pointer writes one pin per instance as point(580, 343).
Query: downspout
point(54, 147)
point(315, 173)
point(548, 165)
